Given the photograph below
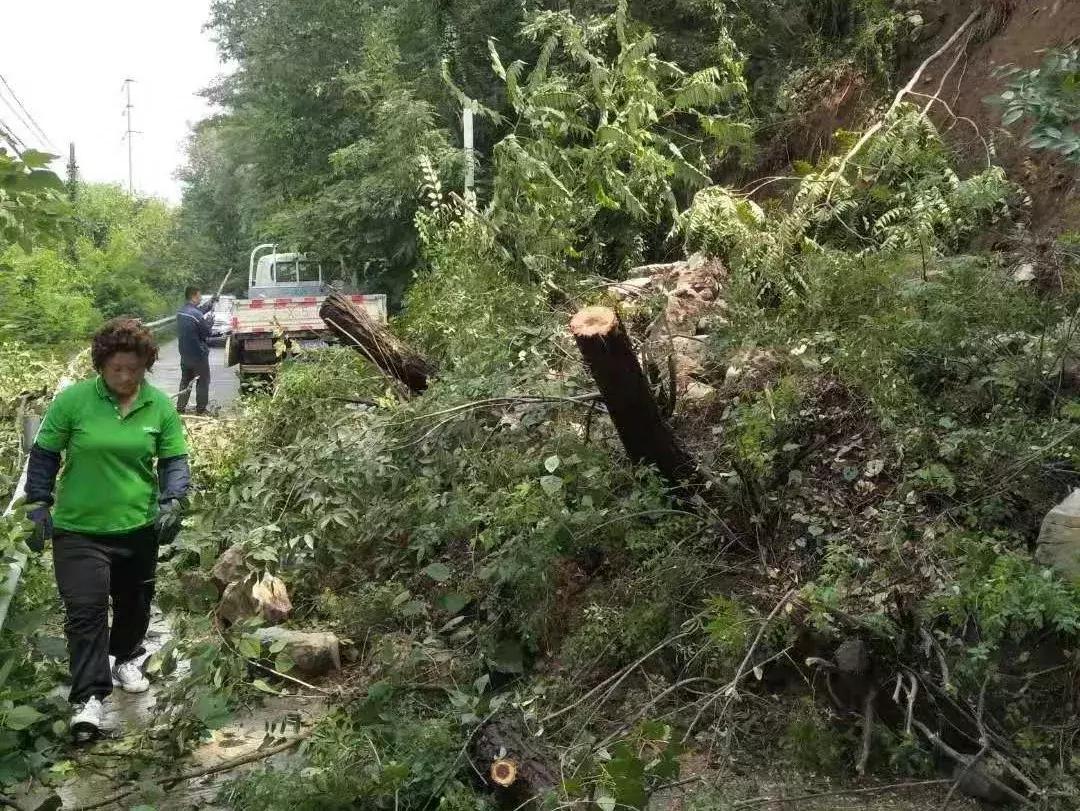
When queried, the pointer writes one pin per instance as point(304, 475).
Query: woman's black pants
point(91, 569)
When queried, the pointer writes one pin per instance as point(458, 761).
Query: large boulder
point(693, 290)
point(314, 653)
point(1059, 539)
point(229, 568)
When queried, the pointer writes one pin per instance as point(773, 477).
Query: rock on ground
point(229, 568)
point(1059, 539)
point(692, 288)
point(315, 653)
point(266, 597)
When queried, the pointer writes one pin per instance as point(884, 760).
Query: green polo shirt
point(109, 481)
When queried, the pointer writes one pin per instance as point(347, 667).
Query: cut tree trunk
point(374, 341)
point(644, 433)
point(512, 765)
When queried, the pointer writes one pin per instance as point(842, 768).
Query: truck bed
point(294, 315)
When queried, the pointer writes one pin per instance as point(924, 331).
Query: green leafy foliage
point(901, 195)
point(33, 728)
point(603, 145)
point(816, 745)
point(364, 78)
point(1006, 593)
point(32, 204)
point(894, 420)
point(1049, 97)
point(119, 258)
point(408, 758)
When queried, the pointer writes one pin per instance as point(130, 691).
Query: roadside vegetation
point(880, 384)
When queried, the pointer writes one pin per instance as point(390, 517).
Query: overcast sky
point(67, 60)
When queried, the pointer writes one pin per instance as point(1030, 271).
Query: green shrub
point(1049, 97)
point(813, 743)
point(380, 754)
point(1006, 594)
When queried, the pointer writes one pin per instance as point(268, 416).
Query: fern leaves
point(902, 196)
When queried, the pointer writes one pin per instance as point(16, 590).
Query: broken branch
point(243, 760)
point(899, 98)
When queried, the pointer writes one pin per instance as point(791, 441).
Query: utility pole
point(130, 137)
point(72, 173)
point(73, 195)
point(470, 153)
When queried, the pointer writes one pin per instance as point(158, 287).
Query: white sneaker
point(129, 678)
point(86, 722)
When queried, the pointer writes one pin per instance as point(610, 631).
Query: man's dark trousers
point(190, 368)
point(89, 570)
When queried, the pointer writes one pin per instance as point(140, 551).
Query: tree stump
point(374, 341)
point(516, 770)
point(646, 436)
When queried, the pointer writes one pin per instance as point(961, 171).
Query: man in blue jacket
point(193, 323)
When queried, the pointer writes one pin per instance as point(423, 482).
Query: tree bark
point(374, 341)
point(644, 433)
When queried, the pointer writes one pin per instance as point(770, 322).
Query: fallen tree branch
point(397, 384)
point(966, 761)
point(837, 793)
point(641, 713)
point(899, 98)
point(984, 742)
point(458, 411)
point(243, 760)
point(510, 399)
point(287, 677)
point(617, 677)
point(730, 690)
point(386, 351)
point(868, 731)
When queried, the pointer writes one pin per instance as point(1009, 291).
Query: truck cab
point(285, 274)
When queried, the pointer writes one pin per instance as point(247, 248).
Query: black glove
point(168, 521)
point(41, 517)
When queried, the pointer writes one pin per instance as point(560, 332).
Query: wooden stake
point(646, 436)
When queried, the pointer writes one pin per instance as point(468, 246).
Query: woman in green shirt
point(125, 474)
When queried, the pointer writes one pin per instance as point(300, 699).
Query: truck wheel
point(252, 383)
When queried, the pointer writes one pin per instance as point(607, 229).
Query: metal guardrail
point(18, 559)
point(161, 323)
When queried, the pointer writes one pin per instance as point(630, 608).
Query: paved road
point(224, 384)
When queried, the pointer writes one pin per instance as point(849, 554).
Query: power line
point(18, 117)
point(33, 127)
point(8, 134)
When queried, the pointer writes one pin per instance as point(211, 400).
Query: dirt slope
point(1032, 26)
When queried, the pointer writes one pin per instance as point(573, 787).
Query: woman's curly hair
point(123, 335)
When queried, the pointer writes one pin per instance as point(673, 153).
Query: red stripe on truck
point(256, 304)
point(282, 303)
